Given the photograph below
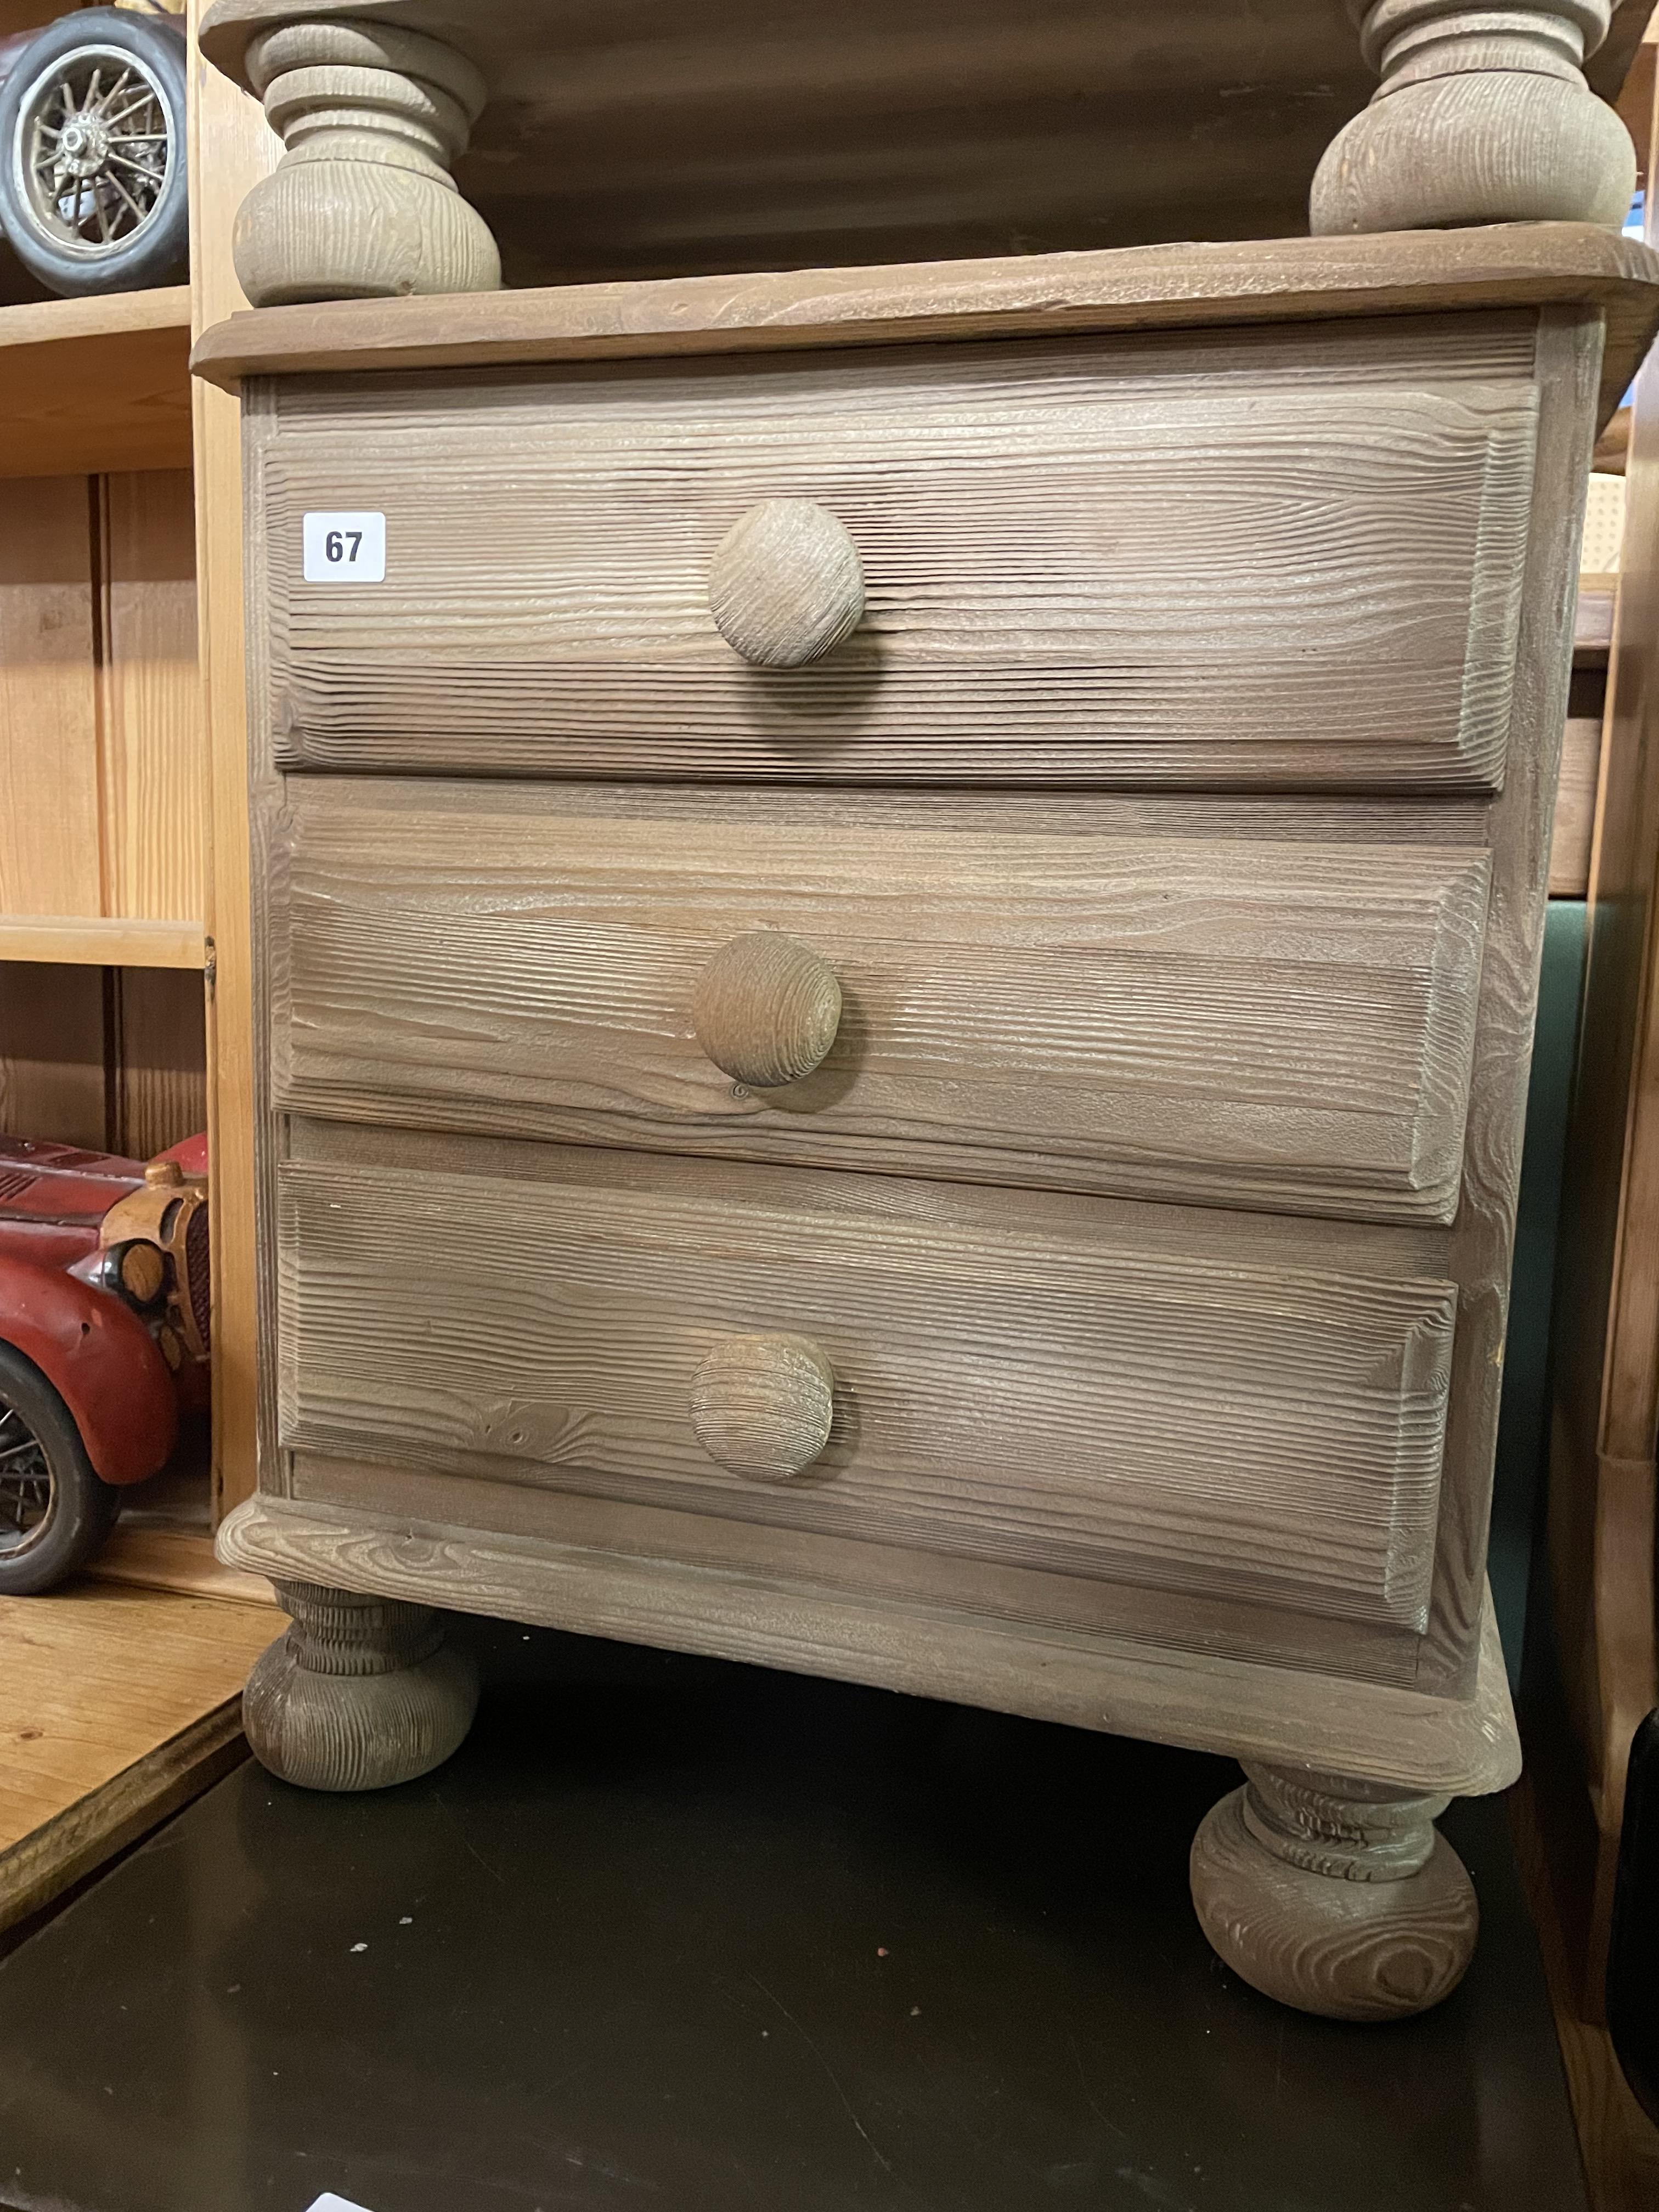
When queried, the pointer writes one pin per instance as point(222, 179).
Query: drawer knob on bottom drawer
point(763, 1406)
point(786, 585)
point(767, 1009)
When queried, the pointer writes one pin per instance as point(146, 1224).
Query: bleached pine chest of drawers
point(897, 953)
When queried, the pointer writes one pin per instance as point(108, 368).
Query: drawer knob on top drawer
point(767, 1009)
point(786, 585)
point(764, 1405)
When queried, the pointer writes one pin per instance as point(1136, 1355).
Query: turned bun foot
point(362, 204)
point(1483, 116)
point(1334, 1897)
point(335, 232)
point(359, 1694)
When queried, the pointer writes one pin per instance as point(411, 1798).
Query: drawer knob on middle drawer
point(786, 585)
point(764, 1405)
point(767, 1009)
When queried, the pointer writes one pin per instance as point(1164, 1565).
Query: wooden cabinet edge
point(1244, 1709)
point(96, 386)
point(112, 315)
point(178, 1559)
point(1150, 288)
point(101, 942)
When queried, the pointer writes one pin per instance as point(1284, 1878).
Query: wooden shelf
point(92, 385)
point(177, 1560)
point(96, 943)
point(121, 1705)
point(1592, 636)
point(1147, 288)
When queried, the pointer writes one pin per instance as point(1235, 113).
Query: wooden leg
point(362, 204)
point(360, 1693)
point(1483, 115)
point(1338, 1897)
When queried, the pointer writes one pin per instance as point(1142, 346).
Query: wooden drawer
point(1138, 1394)
point(1250, 1005)
point(1231, 560)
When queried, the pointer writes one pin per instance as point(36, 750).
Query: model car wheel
point(93, 191)
point(54, 1511)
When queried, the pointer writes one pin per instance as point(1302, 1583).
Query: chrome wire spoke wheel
point(28, 1493)
point(92, 149)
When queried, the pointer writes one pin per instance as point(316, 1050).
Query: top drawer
point(1235, 560)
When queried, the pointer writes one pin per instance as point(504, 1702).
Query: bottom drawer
point(1211, 1403)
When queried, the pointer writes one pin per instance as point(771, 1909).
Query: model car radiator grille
point(196, 1272)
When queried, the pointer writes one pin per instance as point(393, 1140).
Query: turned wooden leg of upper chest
point(1483, 115)
point(362, 204)
point(361, 1694)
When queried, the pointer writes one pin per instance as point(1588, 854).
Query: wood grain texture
point(1604, 1486)
point(1084, 1399)
point(1482, 116)
point(53, 1081)
point(786, 585)
point(93, 385)
point(230, 147)
point(362, 203)
point(734, 134)
point(1352, 1948)
point(765, 1406)
point(94, 942)
point(182, 1560)
point(1265, 280)
point(49, 817)
point(157, 1039)
point(1593, 626)
point(97, 1827)
point(849, 1566)
point(120, 1706)
point(766, 1009)
point(1238, 561)
point(1569, 362)
point(1566, 356)
point(366, 1262)
point(362, 1693)
point(1207, 1701)
point(1605, 1380)
point(154, 856)
point(1015, 989)
point(1574, 807)
point(707, 135)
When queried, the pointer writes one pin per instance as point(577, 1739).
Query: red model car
point(104, 1322)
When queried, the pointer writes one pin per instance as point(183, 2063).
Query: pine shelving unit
point(125, 1686)
point(104, 866)
point(103, 943)
point(93, 387)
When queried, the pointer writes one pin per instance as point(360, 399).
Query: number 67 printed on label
point(344, 549)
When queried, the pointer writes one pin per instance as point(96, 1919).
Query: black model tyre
point(54, 1511)
point(93, 188)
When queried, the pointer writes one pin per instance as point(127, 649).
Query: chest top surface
point(1288, 281)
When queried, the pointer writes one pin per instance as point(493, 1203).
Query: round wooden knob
point(786, 585)
point(767, 1009)
point(764, 1405)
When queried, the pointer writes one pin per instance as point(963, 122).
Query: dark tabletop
point(675, 1934)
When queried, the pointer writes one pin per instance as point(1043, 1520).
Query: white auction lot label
point(344, 549)
point(332, 2203)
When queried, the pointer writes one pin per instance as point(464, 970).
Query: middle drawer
point(1251, 1004)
